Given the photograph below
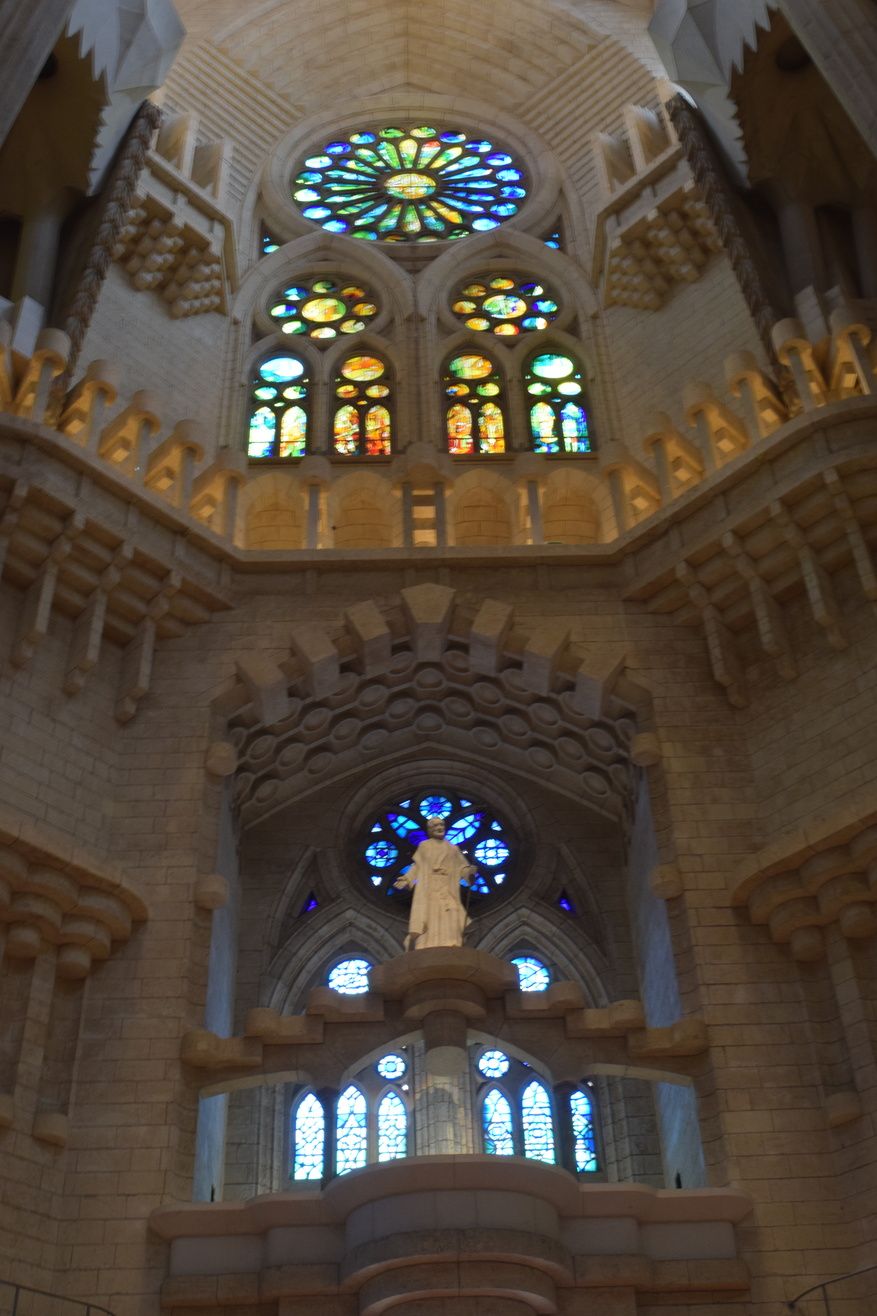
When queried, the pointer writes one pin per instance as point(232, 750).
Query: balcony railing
point(826, 1284)
point(19, 1300)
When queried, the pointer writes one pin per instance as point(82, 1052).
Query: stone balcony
point(458, 1231)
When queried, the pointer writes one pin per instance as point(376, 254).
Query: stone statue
point(438, 917)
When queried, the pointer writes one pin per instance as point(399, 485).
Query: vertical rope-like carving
point(116, 202)
point(709, 175)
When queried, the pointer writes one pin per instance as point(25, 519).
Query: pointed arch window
point(533, 976)
point(475, 418)
point(362, 425)
point(392, 1127)
point(497, 1124)
point(308, 1138)
point(351, 1131)
point(581, 1110)
point(558, 405)
point(537, 1123)
point(279, 408)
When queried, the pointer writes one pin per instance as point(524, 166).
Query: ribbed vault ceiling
point(500, 50)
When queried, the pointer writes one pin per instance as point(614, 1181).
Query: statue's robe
point(437, 914)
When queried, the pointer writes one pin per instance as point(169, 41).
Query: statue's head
point(436, 828)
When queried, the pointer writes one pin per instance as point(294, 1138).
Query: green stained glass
point(414, 185)
point(322, 308)
point(557, 422)
point(550, 365)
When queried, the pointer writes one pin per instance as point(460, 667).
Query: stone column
point(566, 1143)
point(443, 1116)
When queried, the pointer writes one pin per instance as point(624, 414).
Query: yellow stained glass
point(464, 308)
point(364, 308)
point(377, 391)
point(470, 366)
point(353, 291)
point(362, 368)
point(477, 322)
point(474, 290)
point(324, 331)
point(377, 432)
point(506, 330)
point(347, 391)
point(346, 431)
point(322, 310)
point(293, 432)
point(491, 428)
point(351, 326)
point(502, 283)
point(459, 430)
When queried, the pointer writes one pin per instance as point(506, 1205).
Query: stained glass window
point(268, 242)
point(558, 404)
point(350, 977)
point(308, 1138)
point(362, 424)
point(392, 1066)
point(496, 1118)
point(532, 973)
point(412, 184)
point(279, 408)
point(392, 1128)
point(582, 1113)
point(474, 416)
point(389, 844)
point(322, 308)
point(537, 1123)
point(351, 1135)
point(493, 1064)
point(554, 240)
point(505, 305)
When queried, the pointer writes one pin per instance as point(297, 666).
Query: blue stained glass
point(391, 1066)
point(407, 828)
point(381, 854)
point(392, 1128)
point(496, 1120)
point(436, 806)
point(377, 879)
point(350, 977)
point(465, 827)
point(491, 852)
point(281, 369)
point(498, 878)
point(351, 1145)
point(369, 175)
point(553, 241)
point(496, 826)
point(565, 903)
point(308, 1138)
point(311, 903)
point(585, 1144)
point(478, 885)
point(493, 1064)
point(537, 1123)
point(532, 973)
point(263, 428)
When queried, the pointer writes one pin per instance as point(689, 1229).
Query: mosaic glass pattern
point(537, 1123)
point(532, 973)
point(351, 1131)
point(268, 243)
point(474, 417)
point(395, 834)
point(585, 1144)
point(350, 977)
point(362, 425)
point(496, 1122)
point(558, 404)
point(392, 1128)
point(413, 184)
point(392, 1066)
point(279, 408)
point(323, 308)
point(308, 1138)
point(493, 1064)
point(505, 305)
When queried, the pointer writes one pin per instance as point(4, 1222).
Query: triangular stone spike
point(428, 611)
point(319, 657)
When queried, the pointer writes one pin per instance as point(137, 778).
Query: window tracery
point(415, 184)
point(351, 1131)
point(350, 977)
point(392, 1127)
point(362, 424)
point(557, 403)
point(504, 305)
point(279, 408)
point(474, 418)
point(533, 976)
point(322, 308)
point(398, 830)
point(519, 1117)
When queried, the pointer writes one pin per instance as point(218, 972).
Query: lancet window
point(475, 419)
point(557, 404)
point(362, 424)
point(279, 407)
point(521, 1116)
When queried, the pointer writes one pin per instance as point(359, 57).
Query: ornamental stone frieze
point(431, 665)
